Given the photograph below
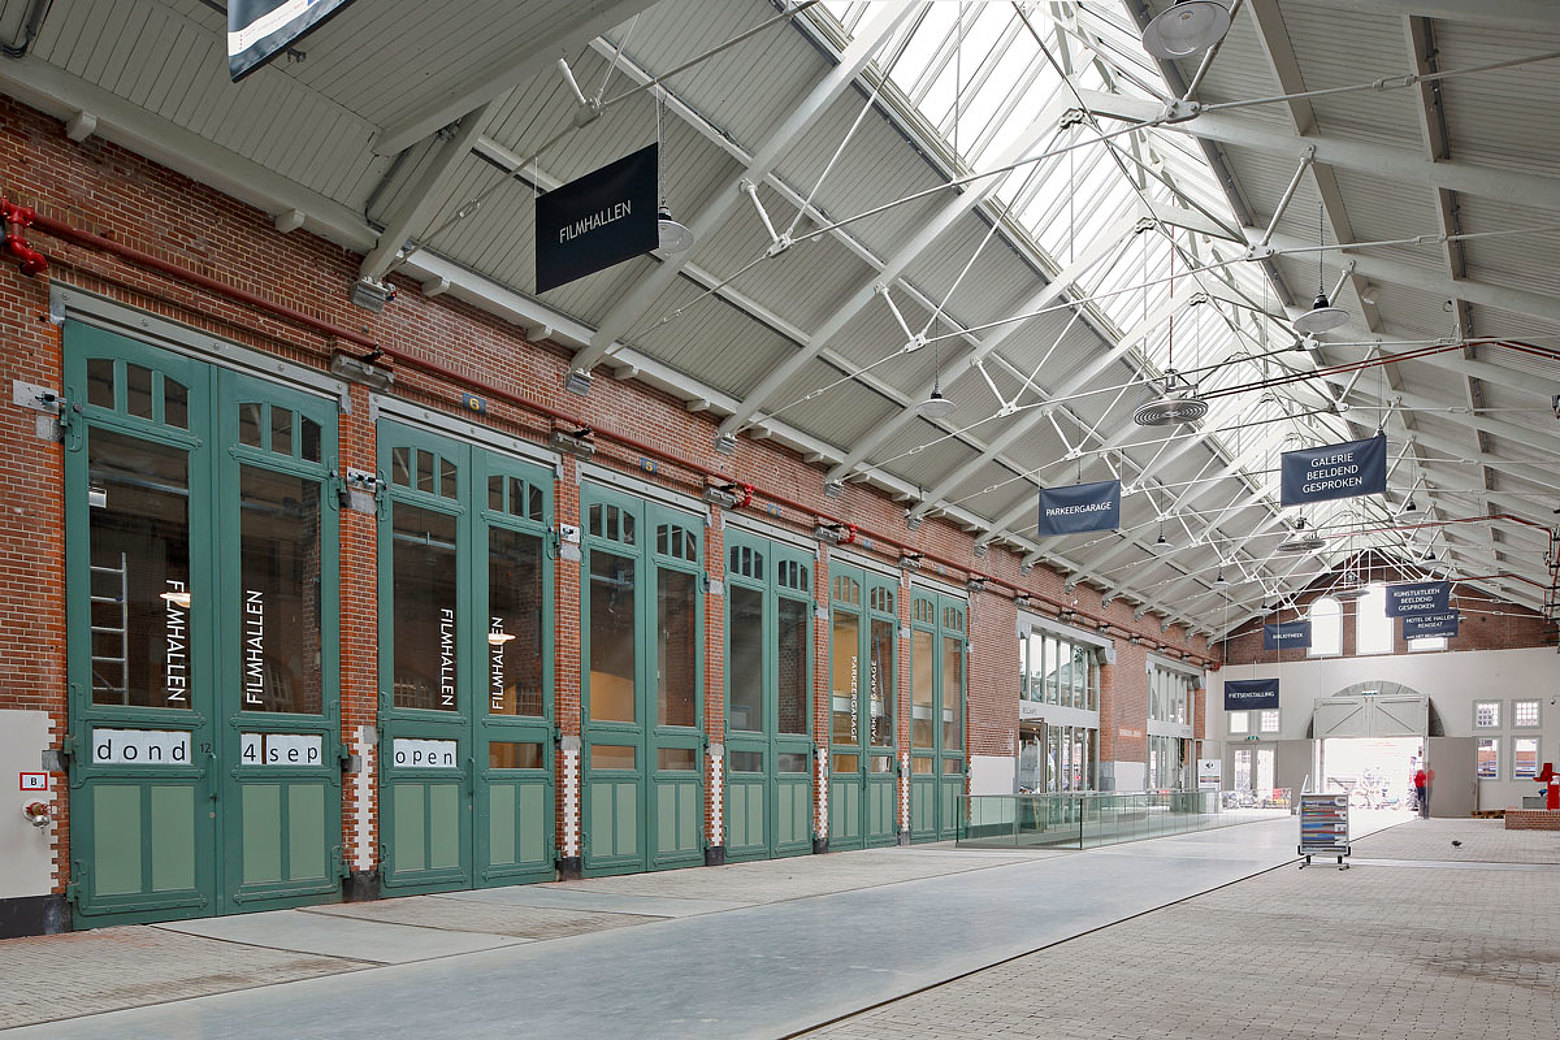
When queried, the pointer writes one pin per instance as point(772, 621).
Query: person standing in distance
point(1422, 792)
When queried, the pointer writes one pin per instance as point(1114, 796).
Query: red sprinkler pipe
point(29, 259)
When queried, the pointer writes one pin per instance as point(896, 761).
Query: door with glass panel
point(863, 788)
point(769, 615)
point(201, 548)
point(642, 639)
point(937, 658)
point(465, 665)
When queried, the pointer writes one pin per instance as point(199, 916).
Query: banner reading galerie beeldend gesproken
point(1334, 471)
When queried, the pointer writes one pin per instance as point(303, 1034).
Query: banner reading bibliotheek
point(1334, 471)
point(1080, 507)
point(1243, 694)
point(1286, 633)
point(600, 219)
point(1419, 626)
point(1425, 597)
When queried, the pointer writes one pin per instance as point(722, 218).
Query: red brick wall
point(102, 188)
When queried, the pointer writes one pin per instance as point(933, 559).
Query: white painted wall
point(1452, 681)
point(993, 774)
point(26, 859)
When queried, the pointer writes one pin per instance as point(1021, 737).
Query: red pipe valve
point(39, 814)
point(19, 218)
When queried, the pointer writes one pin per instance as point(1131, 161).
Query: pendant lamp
point(1322, 316)
point(936, 406)
point(1186, 27)
point(674, 237)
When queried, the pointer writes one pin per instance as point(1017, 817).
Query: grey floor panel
point(565, 897)
point(335, 935)
point(762, 971)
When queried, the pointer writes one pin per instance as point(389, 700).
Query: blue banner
point(1425, 597)
point(595, 221)
point(1080, 507)
point(1243, 694)
point(1334, 471)
point(1286, 633)
point(1419, 626)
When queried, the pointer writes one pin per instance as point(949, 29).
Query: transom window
point(1326, 628)
point(791, 574)
point(1170, 696)
point(1525, 713)
point(425, 471)
point(1268, 721)
point(1372, 627)
point(280, 431)
point(678, 542)
point(123, 386)
point(1057, 670)
point(514, 496)
point(847, 590)
point(882, 600)
point(611, 522)
point(747, 562)
point(1486, 714)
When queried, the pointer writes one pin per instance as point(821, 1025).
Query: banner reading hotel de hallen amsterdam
point(1080, 507)
point(1334, 471)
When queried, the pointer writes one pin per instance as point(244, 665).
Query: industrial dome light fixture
point(1170, 410)
point(936, 406)
point(674, 237)
point(1302, 541)
point(1186, 27)
point(1323, 316)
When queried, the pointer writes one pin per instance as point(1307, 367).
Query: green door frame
point(642, 779)
point(938, 645)
point(863, 772)
point(768, 786)
point(440, 828)
point(211, 833)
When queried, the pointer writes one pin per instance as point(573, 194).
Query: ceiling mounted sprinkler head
point(675, 237)
point(1322, 317)
point(1186, 27)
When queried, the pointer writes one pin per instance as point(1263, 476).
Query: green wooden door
point(937, 697)
point(465, 665)
point(863, 776)
point(641, 643)
point(201, 601)
point(769, 613)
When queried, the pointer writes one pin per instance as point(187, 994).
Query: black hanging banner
point(1286, 633)
point(1245, 694)
point(1080, 507)
point(1419, 626)
point(601, 219)
point(258, 30)
point(1425, 597)
point(1334, 471)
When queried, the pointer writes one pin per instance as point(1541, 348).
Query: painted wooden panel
point(116, 839)
point(410, 837)
point(262, 812)
point(502, 824)
point(173, 837)
point(444, 812)
point(533, 823)
point(794, 814)
point(307, 854)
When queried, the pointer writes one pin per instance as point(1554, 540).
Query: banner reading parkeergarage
point(600, 219)
point(1425, 597)
point(1080, 507)
point(1421, 626)
point(1286, 634)
point(1334, 471)
point(1246, 694)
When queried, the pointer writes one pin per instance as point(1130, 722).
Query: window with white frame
point(1326, 616)
point(1524, 758)
point(1372, 627)
point(1269, 721)
point(1057, 670)
point(1170, 696)
point(1525, 714)
point(1486, 714)
point(1240, 722)
point(1487, 758)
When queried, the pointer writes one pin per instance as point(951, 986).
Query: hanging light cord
point(1321, 241)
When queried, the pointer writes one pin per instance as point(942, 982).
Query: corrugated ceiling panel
point(1504, 118)
point(1338, 47)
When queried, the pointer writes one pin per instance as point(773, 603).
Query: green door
point(769, 616)
point(863, 778)
point(201, 589)
point(466, 651)
point(642, 642)
point(937, 670)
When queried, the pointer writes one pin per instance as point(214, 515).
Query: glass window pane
point(176, 403)
point(427, 471)
point(1240, 722)
point(423, 589)
point(281, 430)
point(1488, 758)
point(279, 613)
point(612, 651)
point(845, 764)
point(309, 450)
point(496, 494)
point(100, 382)
point(249, 415)
point(447, 481)
point(952, 689)
point(793, 634)
point(791, 762)
point(1486, 714)
point(613, 756)
point(683, 759)
point(923, 680)
point(401, 466)
point(844, 675)
point(1524, 758)
point(1524, 713)
point(512, 755)
point(881, 683)
point(140, 573)
point(922, 765)
point(534, 503)
point(138, 391)
point(516, 610)
point(880, 764)
point(677, 686)
point(745, 665)
point(1270, 721)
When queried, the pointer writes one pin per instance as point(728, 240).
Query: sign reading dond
point(1080, 507)
point(1334, 471)
point(601, 219)
point(260, 29)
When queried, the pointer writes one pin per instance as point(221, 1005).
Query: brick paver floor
point(1482, 841)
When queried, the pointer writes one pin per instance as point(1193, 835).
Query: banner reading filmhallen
point(1080, 507)
point(601, 219)
point(1334, 471)
point(1425, 597)
point(258, 30)
point(1418, 626)
point(1244, 694)
point(1286, 634)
